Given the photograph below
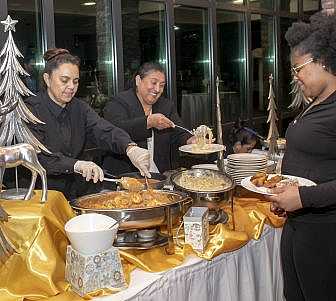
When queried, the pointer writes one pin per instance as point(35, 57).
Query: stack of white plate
point(240, 166)
point(206, 166)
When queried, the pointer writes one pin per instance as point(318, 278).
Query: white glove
point(89, 170)
point(140, 158)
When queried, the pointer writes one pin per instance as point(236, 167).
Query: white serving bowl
point(90, 234)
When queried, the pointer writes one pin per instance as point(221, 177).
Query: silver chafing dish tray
point(139, 218)
point(204, 196)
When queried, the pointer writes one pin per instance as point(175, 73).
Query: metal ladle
point(128, 183)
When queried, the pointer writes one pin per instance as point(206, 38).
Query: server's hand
point(159, 121)
point(89, 170)
point(140, 159)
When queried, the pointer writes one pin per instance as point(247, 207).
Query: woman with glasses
point(69, 123)
point(308, 243)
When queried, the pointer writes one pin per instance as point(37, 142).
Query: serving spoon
point(127, 183)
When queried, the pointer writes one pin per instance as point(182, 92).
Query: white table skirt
point(252, 273)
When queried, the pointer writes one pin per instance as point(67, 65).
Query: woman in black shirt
point(149, 118)
point(308, 245)
point(69, 122)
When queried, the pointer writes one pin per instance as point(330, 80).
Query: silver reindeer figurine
point(23, 154)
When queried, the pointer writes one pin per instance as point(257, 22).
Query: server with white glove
point(69, 124)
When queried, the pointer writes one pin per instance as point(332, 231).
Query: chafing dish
point(202, 197)
point(212, 199)
point(139, 218)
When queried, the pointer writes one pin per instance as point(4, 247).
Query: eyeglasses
point(297, 69)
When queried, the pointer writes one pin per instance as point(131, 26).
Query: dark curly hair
point(317, 38)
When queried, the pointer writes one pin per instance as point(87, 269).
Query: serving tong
point(182, 128)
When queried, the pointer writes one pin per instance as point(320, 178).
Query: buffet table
point(241, 261)
point(250, 273)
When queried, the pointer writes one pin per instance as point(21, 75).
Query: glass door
point(28, 38)
point(192, 65)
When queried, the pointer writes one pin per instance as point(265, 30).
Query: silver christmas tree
point(273, 133)
point(14, 114)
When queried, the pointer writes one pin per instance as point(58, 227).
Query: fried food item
point(259, 179)
point(272, 182)
point(262, 179)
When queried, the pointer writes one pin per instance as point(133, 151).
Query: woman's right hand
point(159, 121)
point(89, 170)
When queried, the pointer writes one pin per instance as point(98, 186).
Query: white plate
point(246, 157)
point(206, 166)
point(213, 148)
point(246, 183)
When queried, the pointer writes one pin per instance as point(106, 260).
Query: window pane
point(143, 27)
point(28, 38)
point(311, 6)
point(232, 61)
point(86, 32)
point(290, 6)
point(192, 65)
point(262, 44)
point(267, 4)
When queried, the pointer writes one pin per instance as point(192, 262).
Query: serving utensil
point(182, 128)
point(126, 217)
point(127, 183)
point(146, 183)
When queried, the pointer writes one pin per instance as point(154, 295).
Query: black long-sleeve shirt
point(125, 111)
point(65, 132)
point(311, 153)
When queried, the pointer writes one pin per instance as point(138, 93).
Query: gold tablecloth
point(36, 271)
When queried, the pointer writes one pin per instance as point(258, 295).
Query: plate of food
point(204, 142)
point(194, 149)
point(263, 183)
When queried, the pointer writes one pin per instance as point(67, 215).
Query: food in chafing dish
point(204, 182)
point(262, 179)
point(131, 184)
point(204, 138)
point(128, 199)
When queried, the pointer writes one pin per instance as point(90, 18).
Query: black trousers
point(308, 255)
